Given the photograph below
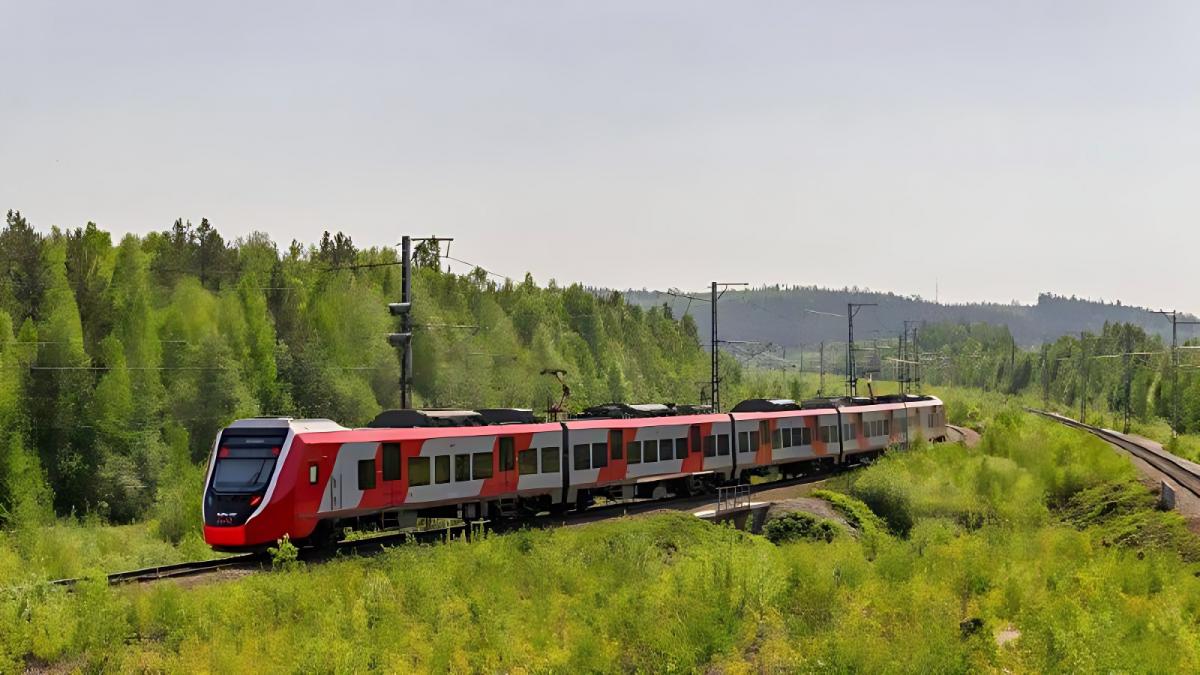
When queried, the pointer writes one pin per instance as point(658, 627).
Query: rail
point(1185, 474)
point(733, 497)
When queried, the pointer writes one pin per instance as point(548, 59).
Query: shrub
point(858, 514)
point(284, 555)
point(889, 496)
point(799, 526)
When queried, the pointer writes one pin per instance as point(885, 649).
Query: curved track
point(1185, 474)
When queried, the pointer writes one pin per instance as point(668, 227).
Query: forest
point(791, 316)
point(1121, 368)
point(120, 360)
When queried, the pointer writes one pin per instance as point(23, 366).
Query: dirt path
point(968, 437)
point(1186, 503)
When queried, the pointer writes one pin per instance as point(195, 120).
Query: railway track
point(374, 544)
point(1185, 474)
point(262, 560)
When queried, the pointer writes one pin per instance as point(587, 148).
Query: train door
point(395, 488)
point(335, 490)
point(694, 438)
point(508, 463)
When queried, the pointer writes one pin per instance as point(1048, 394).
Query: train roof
point(487, 417)
point(765, 405)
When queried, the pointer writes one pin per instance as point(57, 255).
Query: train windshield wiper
point(254, 481)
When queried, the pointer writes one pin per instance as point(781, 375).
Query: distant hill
point(785, 315)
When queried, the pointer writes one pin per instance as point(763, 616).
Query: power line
point(478, 267)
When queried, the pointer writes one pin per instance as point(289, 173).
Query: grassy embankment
point(1041, 530)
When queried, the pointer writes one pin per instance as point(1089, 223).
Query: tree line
point(119, 362)
point(1120, 366)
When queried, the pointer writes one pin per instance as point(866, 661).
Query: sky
point(990, 150)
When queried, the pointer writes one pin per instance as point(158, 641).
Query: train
point(309, 479)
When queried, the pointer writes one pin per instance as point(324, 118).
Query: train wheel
point(324, 536)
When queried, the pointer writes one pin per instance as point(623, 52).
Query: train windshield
point(242, 475)
point(245, 463)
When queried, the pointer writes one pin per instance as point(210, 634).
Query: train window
point(599, 455)
point(782, 438)
point(614, 444)
point(582, 460)
point(805, 436)
point(506, 453)
point(710, 446)
point(481, 465)
point(680, 448)
point(764, 433)
point(550, 460)
point(441, 469)
point(527, 461)
point(391, 461)
point(848, 431)
point(743, 441)
point(633, 450)
point(366, 474)
point(650, 451)
point(723, 444)
point(418, 471)
point(887, 427)
point(755, 441)
point(312, 473)
point(462, 467)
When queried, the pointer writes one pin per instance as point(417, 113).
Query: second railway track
point(1178, 470)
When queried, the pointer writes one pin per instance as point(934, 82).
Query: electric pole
point(821, 383)
point(851, 379)
point(1173, 317)
point(1045, 376)
point(403, 309)
point(1084, 379)
point(916, 347)
point(1128, 373)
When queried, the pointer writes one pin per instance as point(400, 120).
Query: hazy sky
point(1001, 148)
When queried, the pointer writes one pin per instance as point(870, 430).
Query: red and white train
point(306, 478)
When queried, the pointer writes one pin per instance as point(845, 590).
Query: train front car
point(247, 495)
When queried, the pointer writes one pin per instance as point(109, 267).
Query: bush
point(799, 526)
point(284, 555)
point(858, 514)
point(888, 495)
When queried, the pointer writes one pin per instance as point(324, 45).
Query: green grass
point(1041, 528)
point(69, 549)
